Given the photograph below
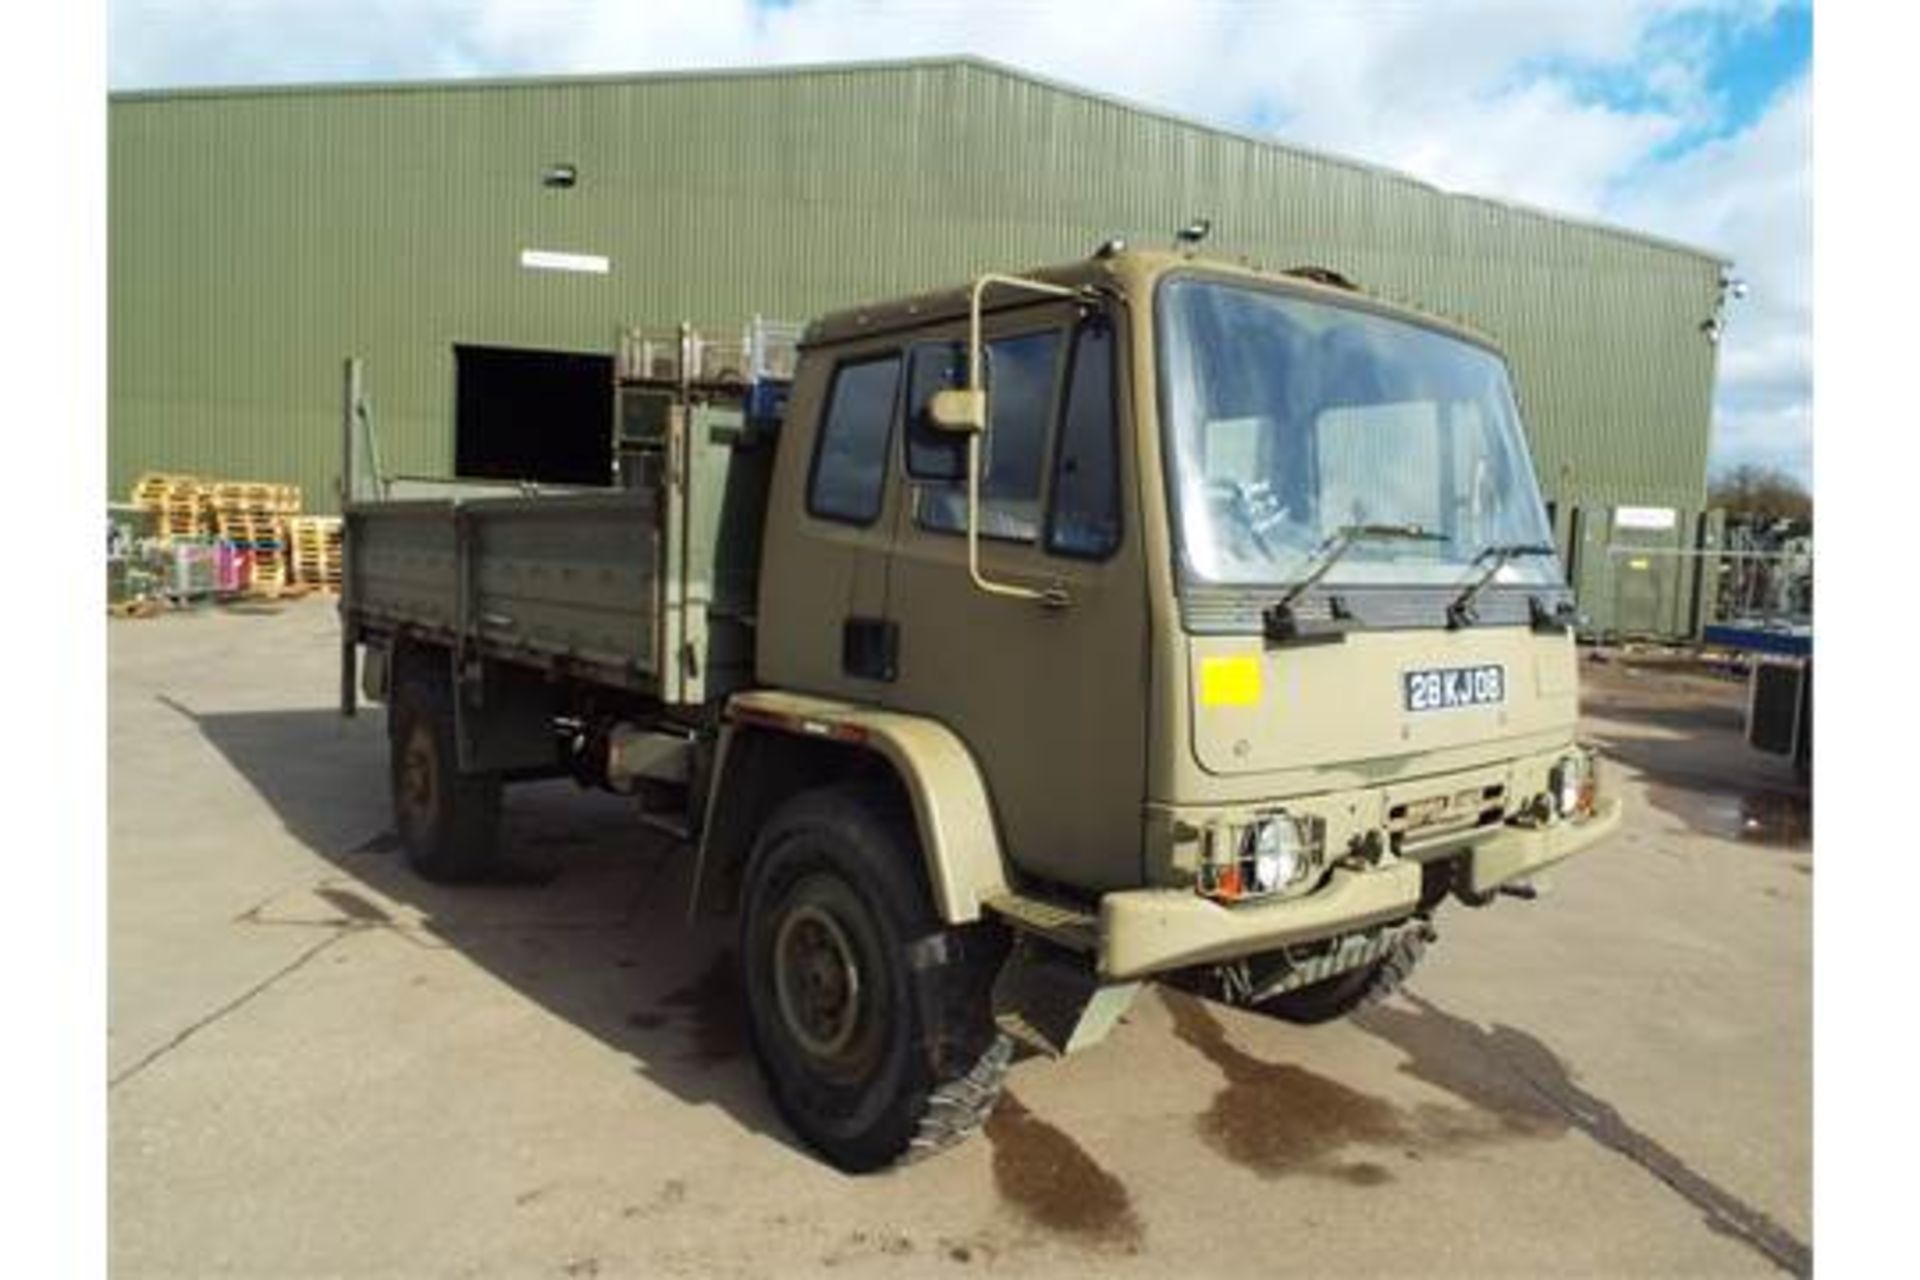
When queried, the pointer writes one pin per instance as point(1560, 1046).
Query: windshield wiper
point(1281, 624)
point(1460, 613)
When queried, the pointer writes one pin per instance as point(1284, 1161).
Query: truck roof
point(1138, 267)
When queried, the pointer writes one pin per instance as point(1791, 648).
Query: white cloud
point(1751, 195)
point(1493, 97)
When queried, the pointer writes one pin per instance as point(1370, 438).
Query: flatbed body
point(647, 589)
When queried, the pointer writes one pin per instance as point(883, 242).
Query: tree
point(1760, 493)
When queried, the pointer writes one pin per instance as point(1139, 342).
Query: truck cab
point(1280, 642)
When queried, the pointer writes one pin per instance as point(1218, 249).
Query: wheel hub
point(418, 777)
point(817, 980)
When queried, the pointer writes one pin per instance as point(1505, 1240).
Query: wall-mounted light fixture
point(559, 177)
point(1732, 288)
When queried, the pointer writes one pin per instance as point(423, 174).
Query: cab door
point(1050, 697)
point(830, 518)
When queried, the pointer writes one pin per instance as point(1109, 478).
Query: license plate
point(1445, 688)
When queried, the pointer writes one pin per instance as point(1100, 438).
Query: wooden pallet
point(313, 543)
point(253, 497)
point(264, 536)
point(177, 502)
point(270, 571)
point(156, 486)
point(250, 529)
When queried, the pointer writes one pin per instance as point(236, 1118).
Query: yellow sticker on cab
point(1231, 681)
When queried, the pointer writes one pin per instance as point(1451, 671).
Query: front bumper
point(1145, 931)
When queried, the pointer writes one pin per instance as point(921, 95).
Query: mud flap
point(1051, 1001)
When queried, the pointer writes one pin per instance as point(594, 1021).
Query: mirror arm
point(1053, 597)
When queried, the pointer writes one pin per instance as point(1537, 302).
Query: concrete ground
point(320, 1065)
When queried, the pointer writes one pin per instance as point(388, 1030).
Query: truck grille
point(1414, 825)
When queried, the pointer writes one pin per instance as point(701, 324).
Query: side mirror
point(959, 411)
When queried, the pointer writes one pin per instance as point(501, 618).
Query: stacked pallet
point(178, 504)
point(251, 515)
point(314, 542)
point(264, 538)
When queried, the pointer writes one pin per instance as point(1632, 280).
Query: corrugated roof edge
point(972, 61)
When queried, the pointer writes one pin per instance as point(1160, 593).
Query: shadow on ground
point(587, 920)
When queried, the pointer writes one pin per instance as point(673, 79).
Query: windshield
point(1290, 419)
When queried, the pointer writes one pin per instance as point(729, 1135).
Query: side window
point(850, 458)
point(1019, 409)
point(1085, 520)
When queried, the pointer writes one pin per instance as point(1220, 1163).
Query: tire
point(1343, 993)
point(871, 1058)
point(448, 822)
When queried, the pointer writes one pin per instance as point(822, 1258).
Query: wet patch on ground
point(1276, 1118)
point(1513, 1074)
point(1777, 819)
point(708, 1008)
point(1683, 732)
point(1665, 695)
point(1279, 1119)
point(1051, 1180)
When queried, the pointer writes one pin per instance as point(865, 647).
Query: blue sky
point(1686, 118)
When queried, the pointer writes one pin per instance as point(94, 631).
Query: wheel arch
point(773, 746)
point(403, 656)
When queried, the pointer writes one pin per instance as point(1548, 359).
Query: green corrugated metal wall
point(257, 237)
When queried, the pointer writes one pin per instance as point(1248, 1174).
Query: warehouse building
point(482, 245)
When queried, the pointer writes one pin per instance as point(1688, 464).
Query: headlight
point(1570, 783)
point(1279, 855)
point(1265, 856)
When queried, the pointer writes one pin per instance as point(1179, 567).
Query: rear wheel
point(1341, 994)
point(870, 1022)
point(448, 821)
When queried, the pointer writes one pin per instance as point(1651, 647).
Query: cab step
point(1062, 923)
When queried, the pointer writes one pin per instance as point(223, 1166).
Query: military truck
point(1143, 618)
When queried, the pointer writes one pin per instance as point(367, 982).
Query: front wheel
point(870, 1022)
